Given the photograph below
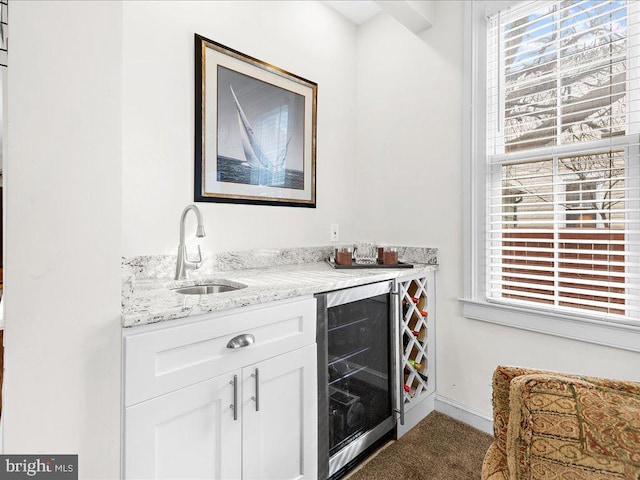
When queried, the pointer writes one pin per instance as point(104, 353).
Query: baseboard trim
point(464, 414)
point(416, 413)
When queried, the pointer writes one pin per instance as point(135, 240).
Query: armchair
point(549, 425)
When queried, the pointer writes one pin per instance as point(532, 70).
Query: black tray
point(368, 265)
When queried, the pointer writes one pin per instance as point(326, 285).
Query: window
point(556, 158)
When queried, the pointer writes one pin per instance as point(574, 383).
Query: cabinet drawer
point(165, 360)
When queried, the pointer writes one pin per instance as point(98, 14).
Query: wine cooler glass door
point(358, 363)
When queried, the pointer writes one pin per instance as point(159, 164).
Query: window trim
point(617, 335)
point(475, 305)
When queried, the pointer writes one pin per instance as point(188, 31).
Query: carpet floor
point(438, 448)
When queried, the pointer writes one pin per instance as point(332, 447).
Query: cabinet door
point(280, 429)
point(190, 433)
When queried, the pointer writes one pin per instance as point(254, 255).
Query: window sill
point(617, 335)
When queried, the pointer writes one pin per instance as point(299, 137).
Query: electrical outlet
point(335, 234)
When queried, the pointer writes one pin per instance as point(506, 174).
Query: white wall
point(111, 120)
point(63, 233)
point(306, 38)
point(410, 150)
point(100, 165)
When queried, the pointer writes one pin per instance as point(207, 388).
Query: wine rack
point(416, 339)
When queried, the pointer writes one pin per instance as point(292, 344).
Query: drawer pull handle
point(234, 405)
point(257, 397)
point(240, 341)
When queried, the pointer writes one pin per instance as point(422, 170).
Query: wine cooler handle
point(234, 405)
point(240, 341)
point(257, 397)
point(397, 332)
point(401, 386)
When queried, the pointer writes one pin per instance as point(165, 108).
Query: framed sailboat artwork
point(255, 130)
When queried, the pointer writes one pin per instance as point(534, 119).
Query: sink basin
point(208, 288)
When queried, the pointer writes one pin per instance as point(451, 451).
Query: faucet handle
point(197, 261)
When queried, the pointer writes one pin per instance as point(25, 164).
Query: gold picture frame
point(255, 130)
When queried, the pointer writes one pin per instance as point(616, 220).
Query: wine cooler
point(357, 372)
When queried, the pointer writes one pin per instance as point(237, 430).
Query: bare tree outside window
point(572, 62)
point(564, 76)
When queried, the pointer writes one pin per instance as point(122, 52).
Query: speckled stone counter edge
point(268, 274)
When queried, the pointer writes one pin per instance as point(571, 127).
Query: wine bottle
point(412, 301)
point(420, 334)
point(406, 386)
point(419, 366)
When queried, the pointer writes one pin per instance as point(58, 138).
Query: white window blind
point(563, 153)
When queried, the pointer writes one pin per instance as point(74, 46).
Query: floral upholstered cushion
point(550, 426)
point(567, 428)
point(610, 423)
point(495, 466)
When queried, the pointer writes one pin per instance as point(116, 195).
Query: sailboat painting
point(260, 132)
point(255, 130)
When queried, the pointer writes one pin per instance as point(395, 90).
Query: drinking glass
point(343, 256)
point(390, 256)
point(366, 253)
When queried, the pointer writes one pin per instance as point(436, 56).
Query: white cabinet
point(179, 407)
point(276, 430)
point(189, 433)
point(160, 359)
point(417, 353)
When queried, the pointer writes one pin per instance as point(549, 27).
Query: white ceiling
point(358, 11)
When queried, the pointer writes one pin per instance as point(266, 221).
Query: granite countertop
point(147, 297)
